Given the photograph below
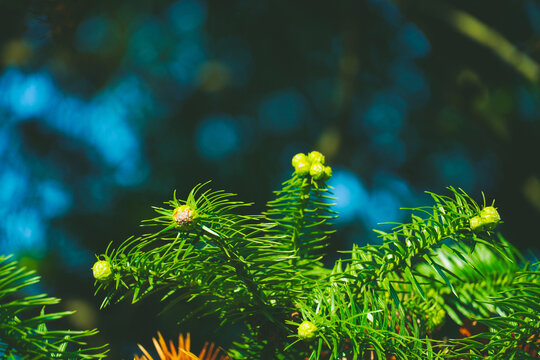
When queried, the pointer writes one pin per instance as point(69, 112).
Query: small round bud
point(316, 171)
point(102, 270)
point(490, 217)
point(316, 157)
point(437, 317)
point(327, 172)
point(302, 167)
point(476, 223)
point(307, 330)
point(298, 158)
point(183, 215)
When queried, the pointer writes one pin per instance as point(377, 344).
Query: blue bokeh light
point(92, 33)
point(350, 193)
point(488, 172)
point(167, 49)
point(412, 42)
point(68, 117)
point(378, 205)
point(188, 56)
point(35, 28)
point(385, 114)
point(26, 95)
point(24, 229)
point(396, 185)
point(388, 10)
point(283, 112)
point(110, 133)
point(103, 124)
point(75, 256)
point(6, 139)
point(389, 148)
point(186, 15)
point(13, 187)
point(218, 136)
point(454, 167)
point(529, 104)
point(410, 82)
point(383, 206)
point(532, 11)
point(133, 93)
point(30, 200)
point(320, 91)
point(54, 198)
point(149, 40)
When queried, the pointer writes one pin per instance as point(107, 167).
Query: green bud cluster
point(486, 220)
point(430, 313)
point(312, 164)
point(436, 317)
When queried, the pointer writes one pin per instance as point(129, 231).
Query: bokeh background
point(106, 107)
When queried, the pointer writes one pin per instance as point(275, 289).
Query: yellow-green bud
point(490, 217)
point(307, 330)
point(327, 172)
point(183, 215)
point(298, 158)
point(302, 167)
point(476, 223)
point(316, 171)
point(437, 317)
point(316, 157)
point(102, 270)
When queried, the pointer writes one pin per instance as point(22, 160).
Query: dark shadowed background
point(106, 107)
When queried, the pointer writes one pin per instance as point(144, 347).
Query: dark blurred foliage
point(107, 106)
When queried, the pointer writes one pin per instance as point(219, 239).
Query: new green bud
point(298, 158)
point(476, 223)
point(316, 170)
point(316, 157)
point(302, 167)
point(102, 270)
point(307, 330)
point(327, 172)
point(437, 317)
point(183, 215)
point(490, 217)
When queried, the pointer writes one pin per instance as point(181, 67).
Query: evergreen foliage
point(444, 270)
point(446, 265)
point(23, 322)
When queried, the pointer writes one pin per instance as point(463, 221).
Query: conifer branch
point(24, 333)
point(385, 301)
